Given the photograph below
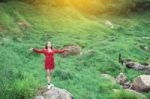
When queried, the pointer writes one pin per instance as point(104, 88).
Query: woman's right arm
point(38, 51)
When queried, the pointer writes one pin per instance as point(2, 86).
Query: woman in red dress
point(49, 53)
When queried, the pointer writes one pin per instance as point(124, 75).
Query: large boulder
point(53, 93)
point(142, 83)
point(71, 50)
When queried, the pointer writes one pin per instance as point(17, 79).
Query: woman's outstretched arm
point(38, 51)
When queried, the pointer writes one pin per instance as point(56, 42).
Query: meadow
point(22, 72)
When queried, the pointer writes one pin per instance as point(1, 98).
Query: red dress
point(49, 57)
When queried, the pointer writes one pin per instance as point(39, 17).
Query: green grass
point(22, 71)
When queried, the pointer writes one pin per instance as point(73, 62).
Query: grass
point(22, 71)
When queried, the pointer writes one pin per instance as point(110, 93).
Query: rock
point(39, 97)
point(109, 77)
point(142, 83)
point(131, 64)
point(121, 78)
point(137, 66)
point(71, 50)
point(140, 95)
point(23, 24)
point(53, 93)
point(127, 85)
point(109, 24)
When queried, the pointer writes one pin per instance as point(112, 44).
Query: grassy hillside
point(23, 26)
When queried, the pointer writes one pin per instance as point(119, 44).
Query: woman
point(49, 52)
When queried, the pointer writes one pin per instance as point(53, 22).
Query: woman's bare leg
point(48, 76)
point(49, 72)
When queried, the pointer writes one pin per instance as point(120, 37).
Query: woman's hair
point(47, 46)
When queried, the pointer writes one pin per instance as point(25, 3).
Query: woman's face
point(49, 44)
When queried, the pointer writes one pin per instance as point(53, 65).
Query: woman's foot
point(50, 85)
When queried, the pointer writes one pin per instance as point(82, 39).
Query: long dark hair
point(46, 47)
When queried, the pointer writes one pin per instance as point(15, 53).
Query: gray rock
point(137, 66)
point(53, 93)
point(121, 78)
point(142, 83)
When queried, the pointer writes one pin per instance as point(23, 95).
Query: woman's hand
point(31, 49)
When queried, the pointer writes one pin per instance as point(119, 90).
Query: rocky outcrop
point(71, 50)
point(53, 93)
point(142, 83)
